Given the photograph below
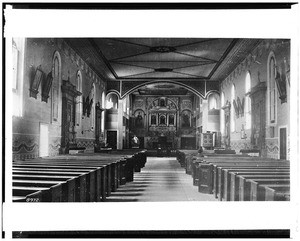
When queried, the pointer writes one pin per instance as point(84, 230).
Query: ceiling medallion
point(163, 70)
point(162, 49)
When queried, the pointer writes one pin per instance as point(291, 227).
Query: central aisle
point(162, 179)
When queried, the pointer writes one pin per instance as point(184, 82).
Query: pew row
point(74, 178)
point(232, 177)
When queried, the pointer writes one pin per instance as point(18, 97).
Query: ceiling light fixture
point(162, 49)
point(163, 70)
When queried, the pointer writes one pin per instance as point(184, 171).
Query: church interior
point(150, 119)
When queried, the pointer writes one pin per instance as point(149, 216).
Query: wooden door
point(44, 140)
point(283, 142)
point(112, 139)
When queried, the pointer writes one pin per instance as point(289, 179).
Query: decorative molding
point(113, 85)
point(24, 146)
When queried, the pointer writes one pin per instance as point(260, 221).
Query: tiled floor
point(162, 179)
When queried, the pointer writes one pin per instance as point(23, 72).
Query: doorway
point(44, 140)
point(112, 139)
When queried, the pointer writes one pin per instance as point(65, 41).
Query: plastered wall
point(256, 64)
point(26, 128)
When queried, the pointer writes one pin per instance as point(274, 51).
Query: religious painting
point(153, 120)
point(162, 102)
point(139, 119)
point(185, 118)
point(162, 120)
point(171, 120)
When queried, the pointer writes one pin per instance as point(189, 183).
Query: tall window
point(232, 116)
point(17, 83)
point(248, 101)
point(222, 116)
point(212, 102)
point(93, 96)
point(56, 70)
point(103, 107)
point(79, 99)
point(112, 101)
point(272, 90)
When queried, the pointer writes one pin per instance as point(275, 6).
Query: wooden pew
point(53, 193)
point(257, 193)
point(69, 184)
point(77, 188)
point(226, 182)
point(87, 185)
point(235, 189)
point(245, 186)
point(276, 192)
point(207, 172)
point(96, 173)
point(208, 159)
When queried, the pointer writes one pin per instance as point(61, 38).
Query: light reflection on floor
point(162, 179)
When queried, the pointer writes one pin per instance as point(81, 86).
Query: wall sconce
point(46, 86)
point(35, 82)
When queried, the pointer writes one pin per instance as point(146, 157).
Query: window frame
point(232, 114)
point(272, 91)
point(248, 117)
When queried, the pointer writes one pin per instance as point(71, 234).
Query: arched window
point(213, 101)
point(112, 101)
point(79, 103)
point(56, 70)
point(222, 114)
point(17, 83)
point(272, 90)
point(103, 107)
point(103, 100)
point(248, 101)
point(93, 97)
point(232, 116)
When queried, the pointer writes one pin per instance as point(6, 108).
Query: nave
point(162, 179)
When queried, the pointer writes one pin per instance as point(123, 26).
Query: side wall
point(256, 64)
point(26, 128)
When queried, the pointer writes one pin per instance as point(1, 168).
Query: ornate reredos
point(162, 103)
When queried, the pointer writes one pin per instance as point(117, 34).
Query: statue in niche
point(139, 120)
point(153, 120)
point(171, 120)
point(162, 102)
point(186, 120)
point(162, 120)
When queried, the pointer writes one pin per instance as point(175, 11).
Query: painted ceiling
point(159, 59)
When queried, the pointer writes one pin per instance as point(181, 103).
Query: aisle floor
point(162, 179)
